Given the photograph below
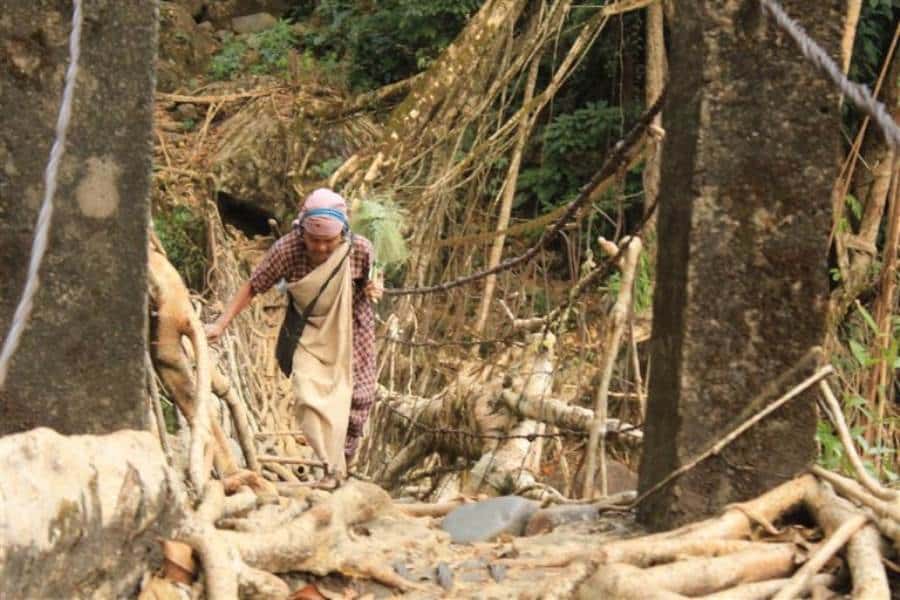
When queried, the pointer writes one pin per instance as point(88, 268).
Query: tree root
point(175, 317)
point(763, 590)
point(721, 563)
point(842, 520)
point(317, 541)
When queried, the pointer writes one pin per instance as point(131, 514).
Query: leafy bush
point(227, 61)
point(387, 41)
point(183, 236)
point(273, 45)
point(877, 21)
point(325, 168)
point(268, 49)
point(573, 146)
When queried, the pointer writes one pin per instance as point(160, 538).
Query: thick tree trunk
point(741, 291)
point(79, 367)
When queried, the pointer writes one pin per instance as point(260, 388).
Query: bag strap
point(312, 302)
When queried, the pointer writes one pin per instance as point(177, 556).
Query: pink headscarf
point(323, 225)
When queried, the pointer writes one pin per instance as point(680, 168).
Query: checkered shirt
point(287, 259)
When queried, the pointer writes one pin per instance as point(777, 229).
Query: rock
point(206, 27)
point(742, 290)
point(257, 156)
point(187, 111)
point(193, 7)
point(444, 575)
point(82, 513)
point(185, 48)
point(253, 23)
point(485, 520)
point(221, 12)
point(497, 572)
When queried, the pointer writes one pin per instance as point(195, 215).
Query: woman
point(333, 376)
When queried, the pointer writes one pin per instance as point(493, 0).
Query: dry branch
point(735, 433)
point(835, 542)
point(618, 318)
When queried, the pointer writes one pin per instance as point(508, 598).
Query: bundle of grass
point(382, 221)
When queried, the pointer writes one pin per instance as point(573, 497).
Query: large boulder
point(82, 513)
point(253, 23)
point(194, 8)
point(488, 519)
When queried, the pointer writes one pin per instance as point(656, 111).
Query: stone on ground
point(485, 520)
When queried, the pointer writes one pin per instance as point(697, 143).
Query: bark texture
point(748, 164)
point(80, 365)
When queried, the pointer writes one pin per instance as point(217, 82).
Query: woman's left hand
point(375, 288)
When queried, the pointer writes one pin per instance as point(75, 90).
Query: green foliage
point(855, 363)
point(273, 45)
point(169, 415)
point(573, 146)
point(325, 168)
point(268, 50)
point(389, 40)
point(227, 61)
point(833, 455)
point(183, 236)
point(383, 222)
point(877, 21)
point(642, 298)
point(854, 206)
point(831, 451)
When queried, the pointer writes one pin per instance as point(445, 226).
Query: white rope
point(859, 94)
point(39, 247)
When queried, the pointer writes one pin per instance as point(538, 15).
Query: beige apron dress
point(322, 377)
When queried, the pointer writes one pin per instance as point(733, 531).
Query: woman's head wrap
point(324, 213)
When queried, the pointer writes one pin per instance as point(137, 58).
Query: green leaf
point(867, 318)
point(860, 353)
point(854, 205)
